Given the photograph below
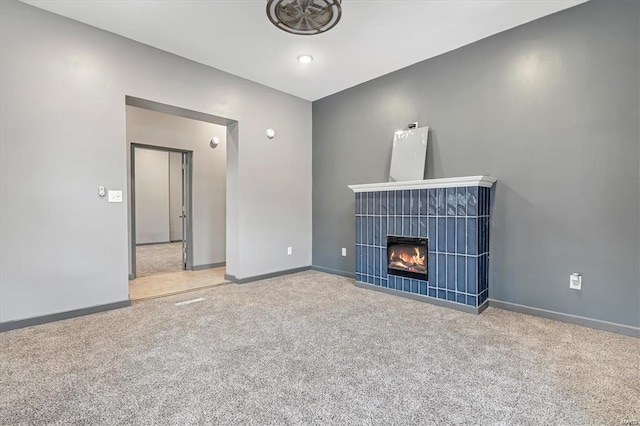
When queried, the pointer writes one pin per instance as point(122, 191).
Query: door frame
point(187, 195)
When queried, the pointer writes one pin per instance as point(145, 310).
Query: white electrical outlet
point(575, 281)
point(344, 251)
point(289, 250)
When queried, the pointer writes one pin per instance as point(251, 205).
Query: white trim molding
point(485, 181)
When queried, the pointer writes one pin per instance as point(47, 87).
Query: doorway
point(161, 205)
point(206, 146)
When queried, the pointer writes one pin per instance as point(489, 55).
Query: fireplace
point(407, 257)
point(425, 240)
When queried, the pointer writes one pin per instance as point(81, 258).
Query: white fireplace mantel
point(484, 181)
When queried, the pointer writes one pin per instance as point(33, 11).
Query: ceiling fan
point(304, 17)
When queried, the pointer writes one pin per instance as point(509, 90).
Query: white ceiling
point(373, 38)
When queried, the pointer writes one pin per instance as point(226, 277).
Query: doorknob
point(181, 216)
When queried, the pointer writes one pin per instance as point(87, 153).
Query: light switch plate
point(115, 196)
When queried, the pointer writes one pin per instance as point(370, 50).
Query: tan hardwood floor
point(160, 285)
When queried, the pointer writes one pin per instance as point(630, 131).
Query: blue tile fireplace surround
point(452, 214)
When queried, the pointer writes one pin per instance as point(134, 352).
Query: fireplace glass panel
point(408, 257)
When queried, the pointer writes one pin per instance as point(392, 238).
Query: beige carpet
point(312, 348)
point(154, 259)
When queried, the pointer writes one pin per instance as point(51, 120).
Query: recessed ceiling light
point(305, 59)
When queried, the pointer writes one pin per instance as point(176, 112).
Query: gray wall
point(152, 196)
point(175, 196)
point(551, 110)
point(63, 133)
point(209, 173)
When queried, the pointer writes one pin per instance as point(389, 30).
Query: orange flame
point(409, 258)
